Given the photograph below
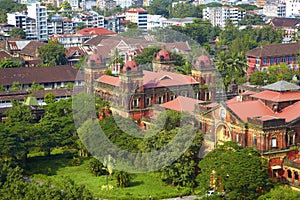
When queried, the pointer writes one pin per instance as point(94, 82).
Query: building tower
point(131, 90)
point(205, 73)
point(163, 61)
point(95, 67)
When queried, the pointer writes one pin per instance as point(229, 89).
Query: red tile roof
point(136, 10)
point(272, 50)
point(290, 113)
point(245, 109)
point(155, 79)
point(277, 96)
point(110, 80)
point(181, 103)
point(95, 31)
point(285, 22)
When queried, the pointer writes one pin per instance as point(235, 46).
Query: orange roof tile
point(277, 96)
point(181, 103)
point(155, 79)
point(245, 109)
point(95, 31)
point(111, 80)
point(290, 113)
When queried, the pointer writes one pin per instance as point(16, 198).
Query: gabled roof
point(282, 86)
point(155, 79)
point(285, 22)
point(4, 54)
point(31, 48)
point(181, 103)
point(28, 75)
point(272, 50)
point(277, 96)
point(96, 40)
point(245, 109)
point(81, 51)
point(95, 31)
point(290, 113)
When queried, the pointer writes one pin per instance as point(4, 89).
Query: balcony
point(291, 163)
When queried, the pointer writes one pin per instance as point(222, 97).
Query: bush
point(96, 167)
point(76, 161)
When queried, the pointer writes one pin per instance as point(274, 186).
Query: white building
point(59, 25)
point(138, 16)
point(292, 7)
point(17, 19)
point(74, 4)
point(39, 13)
point(124, 3)
point(274, 10)
point(154, 21)
point(178, 21)
point(89, 18)
point(218, 15)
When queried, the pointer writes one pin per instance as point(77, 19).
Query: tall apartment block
point(218, 15)
point(39, 13)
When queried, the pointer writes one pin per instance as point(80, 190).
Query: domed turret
point(163, 55)
point(130, 66)
point(203, 61)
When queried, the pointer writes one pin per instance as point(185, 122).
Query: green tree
point(281, 193)
point(123, 178)
point(240, 172)
point(35, 86)
point(80, 26)
point(52, 54)
point(49, 98)
point(160, 7)
point(15, 86)
point(148, 55)
point(96, 167)
point(10, 63)
point(17, 33)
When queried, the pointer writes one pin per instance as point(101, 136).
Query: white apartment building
point(74, 4)
point(39, 13)
point(218, 15)
point(274, 10)
point(91, 19)
point(17, 19)
point(31, 29)
point(292, 7)
point(154, 21)
point(124, 3)
point(59, 25)
point(138, 16)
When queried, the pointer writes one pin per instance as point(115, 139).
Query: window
point(290, 59)
point(172, 97)
point(274, 142)
point(284, 59)
point(265, 61)
point(295, 59)
point(254, 140)
point(148, 101)
point(277, 60)
point(296, 175)
point(272, 61)
point(257, 61)
point(289, 174)
point(237, 137)
point(135, 103)
point(160, 100)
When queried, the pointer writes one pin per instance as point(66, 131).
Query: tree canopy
point(17, 33)
point(53, 54)
point(240, 172)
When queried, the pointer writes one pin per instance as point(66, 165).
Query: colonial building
point(134, 91)
point(267, 121)
point(288, 25)
point(273, 54)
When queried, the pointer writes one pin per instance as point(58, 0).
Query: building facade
point(138, 16)
point(39, 13)
point(264, 56)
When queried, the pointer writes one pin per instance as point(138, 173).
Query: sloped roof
point(181, 103)
point(95, 31)
point(28, 75)
point(155, 79)
point(272, 50)
point(285, 22)
point(290, 113)
point(245, 109)
point(275, 96)
point(96, 40)
point(4, 54)
point(31, 47)
point(282, 86)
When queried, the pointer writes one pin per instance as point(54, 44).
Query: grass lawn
point(59, 166)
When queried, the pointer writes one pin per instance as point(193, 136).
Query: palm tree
point(123, 178)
